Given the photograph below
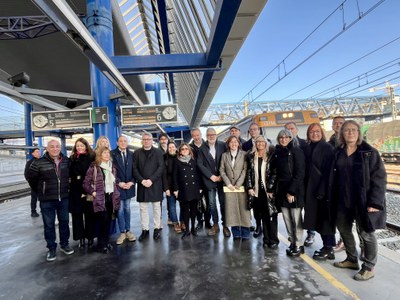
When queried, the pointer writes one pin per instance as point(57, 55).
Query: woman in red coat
point(101, 183)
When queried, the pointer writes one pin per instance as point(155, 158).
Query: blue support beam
point(164, 63)
point(156, 87)
point(224, 16)
point(160, 13)
point(28, 128)
point(99, 24)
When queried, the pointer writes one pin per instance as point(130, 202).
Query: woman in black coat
point(187, 186)
point(359, 186)
point(83, 222)
point(318, 207)
point(288, 164)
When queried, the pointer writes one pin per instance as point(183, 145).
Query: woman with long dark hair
point(81, 209)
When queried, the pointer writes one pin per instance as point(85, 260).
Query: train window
point(263, 118)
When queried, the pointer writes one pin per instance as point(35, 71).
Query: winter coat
point(288, 163)
point(168, 172)
point(186, 180)
point(150, 167)
point(77, 172)
point(124, 171)
point(236, 211)
point(91, 184)
point(370, 183)
point(250, 174)
point(49, 181)
point(318, 207)
point(209, 166)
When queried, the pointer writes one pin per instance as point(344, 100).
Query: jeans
point(49, 210)
point(344, 223)
point(171, 202)
point(212, 198)
point(240, 232)
point(124, 215)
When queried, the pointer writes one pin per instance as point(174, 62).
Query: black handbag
point(250, 202)
point(271, 207)
point(202, 205)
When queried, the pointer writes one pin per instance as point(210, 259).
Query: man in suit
point(254, 131)
point(123, 162)
point(208, 161)
point(148, 167)
point(292, 127)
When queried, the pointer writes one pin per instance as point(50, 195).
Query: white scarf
point(109, 178)
point(263, 172)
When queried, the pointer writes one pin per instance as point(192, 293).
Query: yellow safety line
point(328, 276)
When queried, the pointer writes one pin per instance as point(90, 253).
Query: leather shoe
point(199, 225)
point(257, 232)
point(144, 235)
point(324, 254)
point(156, 233)
point(185, 234)
point(294, 250)
point(339, 246)
point(273, 246)
point(226, 231)
point(309, 240)
point(194, 232)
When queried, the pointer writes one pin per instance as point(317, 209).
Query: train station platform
point(200, 267)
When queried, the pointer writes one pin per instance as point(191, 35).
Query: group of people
point(315, 185)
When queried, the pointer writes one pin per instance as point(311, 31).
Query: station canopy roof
point(187, 44)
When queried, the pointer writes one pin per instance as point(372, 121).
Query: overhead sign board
point(100, 115)
point(61, 119)
point(141, 115)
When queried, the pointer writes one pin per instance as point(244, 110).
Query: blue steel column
point(99, 24)
point(28, 128)
point(40, 144)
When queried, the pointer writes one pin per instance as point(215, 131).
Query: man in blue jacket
point(123, 161)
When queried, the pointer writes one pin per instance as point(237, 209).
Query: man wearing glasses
point(208, 161)
point(148, 165)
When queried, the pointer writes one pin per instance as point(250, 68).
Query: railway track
point(393, 177)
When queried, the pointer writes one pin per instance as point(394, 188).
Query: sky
point(281, 28)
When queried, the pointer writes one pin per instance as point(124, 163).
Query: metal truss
point(27, 27)
point(228, 113)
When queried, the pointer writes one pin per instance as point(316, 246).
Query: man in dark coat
point(35, 155)
point(208, 162)
point(254, 131)
point(235, 131)
point(337, 123)
point(48, 176)
point(148, 166)
point(122, 159)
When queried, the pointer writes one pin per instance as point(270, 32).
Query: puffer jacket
point(99, 188)
point(49, 181)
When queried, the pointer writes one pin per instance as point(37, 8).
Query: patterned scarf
point(109, 178)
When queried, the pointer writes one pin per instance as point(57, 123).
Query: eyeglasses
point(352, 130)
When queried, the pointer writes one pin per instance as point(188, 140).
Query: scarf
point(233, 157)
point(185, 158)
point(78, 153)
point(109, 178)
point(263, 173)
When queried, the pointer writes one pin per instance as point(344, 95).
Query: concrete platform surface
point(200, 267)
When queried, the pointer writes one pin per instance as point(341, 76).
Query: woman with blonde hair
point(101, 183)
point(258, 174)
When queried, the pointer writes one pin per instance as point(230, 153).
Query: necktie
point(123, 157)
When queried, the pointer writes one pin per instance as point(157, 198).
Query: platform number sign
point(144, 115)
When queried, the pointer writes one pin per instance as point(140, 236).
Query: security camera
point(19, 79)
